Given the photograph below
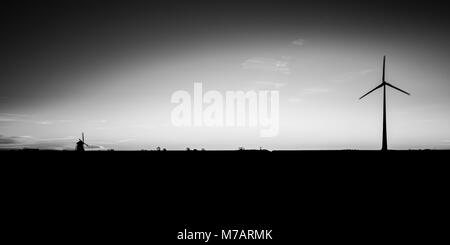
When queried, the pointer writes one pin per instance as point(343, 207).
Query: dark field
point(304, 196)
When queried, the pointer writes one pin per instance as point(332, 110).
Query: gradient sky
point(109, 68)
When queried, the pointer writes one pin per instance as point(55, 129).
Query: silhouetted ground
point(304, 196)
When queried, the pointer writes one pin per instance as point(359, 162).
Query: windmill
point(81, 143)
point(384, 84)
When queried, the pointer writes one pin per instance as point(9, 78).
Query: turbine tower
point(383, 84)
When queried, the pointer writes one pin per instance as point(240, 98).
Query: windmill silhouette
point(81, 143)
point(383, 84)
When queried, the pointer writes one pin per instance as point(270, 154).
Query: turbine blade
point(392, 86)
point(384, 68)
point(377, 87)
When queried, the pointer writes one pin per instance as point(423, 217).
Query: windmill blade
point(377, 87)
point(384, 68)
point(392, 86)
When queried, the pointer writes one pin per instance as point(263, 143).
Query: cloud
point(26, 137)
point(98, 121)
point(46, 122)
point(24, 118)
point(287, 57)
point(5, 119)
point(299, 42)
point(14, 115)
point(51, 122)
point(351, 76)
point(294, 100)
point(276, 85)
point(15, 141)
point(58, 139)
point(267, 64)
point(125, 140)
point(10, 117)
point(4, 140)
point(317, 90)
point(96, 147)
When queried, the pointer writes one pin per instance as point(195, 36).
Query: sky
point(109, 69)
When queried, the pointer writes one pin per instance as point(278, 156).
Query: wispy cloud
point(6, 119)
point(5, 140)
point(10, 117)
point(125, 140)
point(24, 118)
point(353, 75)
point(51, 122)
point(299, 42)
point(276, 85)
point(98, 121)
point(58, 139)
point(14, 115)
point(317, 90)
point(96, 147)
point(267, 64)
point(287, 58)
point(46, 122)
point(294, 100)
point(311, 91)
point(11, 142)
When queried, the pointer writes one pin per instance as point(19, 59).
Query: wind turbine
point(384, 84)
